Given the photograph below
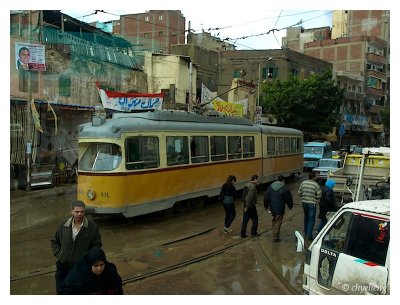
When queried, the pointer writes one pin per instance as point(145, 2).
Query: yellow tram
point(139, 163)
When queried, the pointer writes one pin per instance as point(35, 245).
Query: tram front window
point(101, 157)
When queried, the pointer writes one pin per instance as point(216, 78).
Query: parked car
point(324, 166)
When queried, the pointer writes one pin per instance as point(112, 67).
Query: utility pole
point(28, 151)
point(190, 86)
point(258, 83)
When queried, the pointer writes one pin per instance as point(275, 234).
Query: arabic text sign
point(128, 102)
point(227, 108)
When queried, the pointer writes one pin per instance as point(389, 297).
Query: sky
point(234, 24)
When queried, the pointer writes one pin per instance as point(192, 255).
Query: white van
point(351, 254)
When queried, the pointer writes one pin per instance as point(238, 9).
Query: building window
point(160, 17)
point(146, 18)
point(237, 73)
point(146, 35)
point(160, 33)
point(24, 81)
point(65, 86)
point(269, 72)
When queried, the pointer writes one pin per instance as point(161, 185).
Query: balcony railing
point(89, 49)
point(349, 95)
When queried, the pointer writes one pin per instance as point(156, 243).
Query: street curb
point(21, 195)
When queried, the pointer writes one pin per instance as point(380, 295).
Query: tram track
point(141, 259)
point(181, 264)
point(196, 260)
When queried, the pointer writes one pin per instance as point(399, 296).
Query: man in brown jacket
point(250, 210)
point(73, 238)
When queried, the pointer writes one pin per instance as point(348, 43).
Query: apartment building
point(153, 31)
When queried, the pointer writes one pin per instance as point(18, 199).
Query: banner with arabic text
point(228, 108)
point(130, 101)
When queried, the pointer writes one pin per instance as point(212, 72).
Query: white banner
point(245, 104)
point(130, 101)
point(207, 96)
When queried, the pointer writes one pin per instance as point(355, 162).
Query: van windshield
point(317, 150)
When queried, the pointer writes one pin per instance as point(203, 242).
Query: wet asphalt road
point(254, 267)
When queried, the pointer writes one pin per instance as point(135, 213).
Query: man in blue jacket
point(275, 198)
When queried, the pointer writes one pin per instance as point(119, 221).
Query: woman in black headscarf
point(93, 274)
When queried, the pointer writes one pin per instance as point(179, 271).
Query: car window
point(329, 163)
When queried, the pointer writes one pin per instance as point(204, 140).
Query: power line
point(180, 32)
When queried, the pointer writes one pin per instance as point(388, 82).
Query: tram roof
point(173, 120)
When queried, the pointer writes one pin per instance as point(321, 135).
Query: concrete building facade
point(64, 94)
point(360, 65)
point(153, 31)
point(358, 49)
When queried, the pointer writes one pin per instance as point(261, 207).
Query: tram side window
point(218, 148)
point(142, 152)
point(271, 146)
point(248, 147)
point(101, 157)
point(199, 149)
point(300, 145)
point(293, 147)
point(234, 147)
point(286, 145)
point(177, 150)
point(280, 146)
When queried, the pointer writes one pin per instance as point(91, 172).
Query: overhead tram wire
point(266, 18)
point(219, 28)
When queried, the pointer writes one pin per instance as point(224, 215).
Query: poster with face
point(30, 56)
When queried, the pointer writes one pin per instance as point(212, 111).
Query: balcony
point(355, 122)
point(374, 109)
point(374, 91)
point(355, 96)
point(377, 74)
point(376, 58)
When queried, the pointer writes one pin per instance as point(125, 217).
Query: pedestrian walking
point(327, 203)
point(310, 193)
point(93, 274)
point(275, 198)
point(250, 210)
point(74, 237)
point(227, 196)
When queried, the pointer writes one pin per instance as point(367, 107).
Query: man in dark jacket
point(327, 203)
point(74, 237)
point(275, 198)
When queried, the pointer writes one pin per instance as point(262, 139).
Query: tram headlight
point(90, 194)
